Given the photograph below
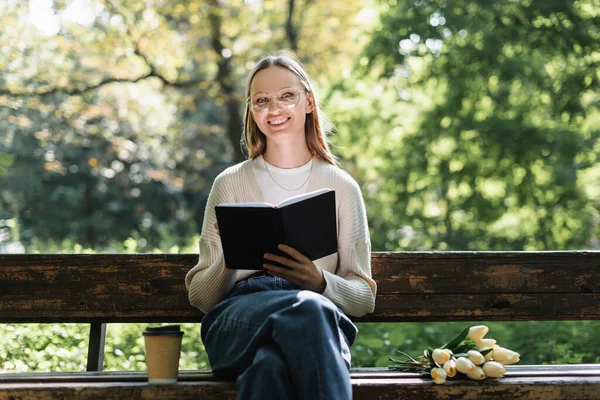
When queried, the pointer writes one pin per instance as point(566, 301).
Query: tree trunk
point(290, 31)
point(225, 80)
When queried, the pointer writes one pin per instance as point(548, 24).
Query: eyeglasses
point(286, 97)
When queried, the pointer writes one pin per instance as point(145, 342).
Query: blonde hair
point(316, 126)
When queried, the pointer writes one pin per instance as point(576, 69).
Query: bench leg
point(95, 358)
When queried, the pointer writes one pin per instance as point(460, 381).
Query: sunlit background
point(469, 125)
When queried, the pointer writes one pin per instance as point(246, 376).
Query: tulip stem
point(406, 365)
point(406, 355)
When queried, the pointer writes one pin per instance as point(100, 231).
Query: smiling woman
point(282, 121)
point(254, 328)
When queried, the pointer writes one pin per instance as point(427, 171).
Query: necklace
point(284, 188)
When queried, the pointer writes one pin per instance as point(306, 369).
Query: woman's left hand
point(300, 271)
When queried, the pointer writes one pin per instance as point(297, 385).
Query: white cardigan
point(347, 272)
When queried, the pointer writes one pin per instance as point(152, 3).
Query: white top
point(292, 178)
point(347, 272)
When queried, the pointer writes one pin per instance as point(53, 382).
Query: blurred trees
point(469, 125)
point(505, 152)
point(117, 116)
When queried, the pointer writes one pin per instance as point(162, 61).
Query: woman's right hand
point(217, 228)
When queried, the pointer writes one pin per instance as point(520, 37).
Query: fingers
point(288, 262)
point(298, 269)
point(297, 259)
point(298, 276)
point(295, 268)
point(217, 228)
point(281, 272)
point(295, 254)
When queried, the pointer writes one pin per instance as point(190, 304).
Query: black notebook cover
point(248, 232)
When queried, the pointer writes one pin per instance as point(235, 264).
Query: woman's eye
point(287, 95)
point(261, 100)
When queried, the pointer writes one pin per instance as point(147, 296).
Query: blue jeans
point(279, 342)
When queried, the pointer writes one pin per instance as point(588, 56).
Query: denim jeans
point(279, 342)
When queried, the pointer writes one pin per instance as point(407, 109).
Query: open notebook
point(249, 230)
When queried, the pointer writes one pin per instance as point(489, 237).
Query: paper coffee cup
point(163, 347)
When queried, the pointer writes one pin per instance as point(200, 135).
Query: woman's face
point(275, 89)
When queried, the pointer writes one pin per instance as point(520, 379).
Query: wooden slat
point(412, 286)
point(488, 272)
point(494, 307)
point(521, 382)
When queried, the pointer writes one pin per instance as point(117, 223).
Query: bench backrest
point(412, 286)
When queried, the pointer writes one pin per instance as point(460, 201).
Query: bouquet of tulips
point(468, 353)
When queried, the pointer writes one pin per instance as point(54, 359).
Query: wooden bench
point(415, 286)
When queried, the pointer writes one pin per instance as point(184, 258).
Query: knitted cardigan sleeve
point(209, 281)
point(352, 288)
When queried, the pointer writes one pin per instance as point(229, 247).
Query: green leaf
point(486, 351)
point(457, 339)
point(460, 348)
point(465, 346)
point(6, 161)
point(429, 355)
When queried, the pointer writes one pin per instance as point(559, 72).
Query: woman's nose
point(274, 104)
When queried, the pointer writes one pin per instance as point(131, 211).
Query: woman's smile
point(278, 121)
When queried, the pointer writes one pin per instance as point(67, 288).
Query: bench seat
point(520, 382)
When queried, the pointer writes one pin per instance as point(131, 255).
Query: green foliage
point(63, 347)
point(6, 161)
point(43, 347)
point(469, 125)
point(125, 348)
point(498, 156)
point(115, 117)
point(538, 342)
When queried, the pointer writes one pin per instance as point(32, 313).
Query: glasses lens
point(260, 103)
point(288, 98)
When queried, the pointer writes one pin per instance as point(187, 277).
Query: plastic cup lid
point(169, 330)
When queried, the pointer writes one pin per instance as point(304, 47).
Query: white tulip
point(438, 375)
point(476, 333)
point(464, 365)
point(488, 355)
point(485, 344)
point(440, 356)
point(475, 357)
point(493, 369)
point(505, 356)
point(450, 368)
point(477, 374)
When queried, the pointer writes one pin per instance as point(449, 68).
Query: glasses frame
point(259, 109)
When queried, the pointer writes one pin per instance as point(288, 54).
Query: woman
point(283, 332)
